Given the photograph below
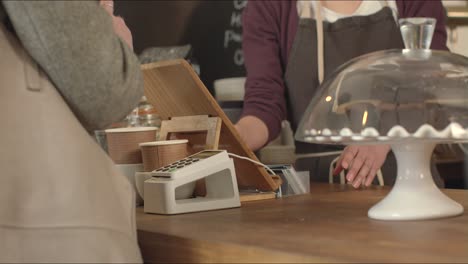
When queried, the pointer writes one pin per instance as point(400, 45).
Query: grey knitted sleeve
point(73, 41)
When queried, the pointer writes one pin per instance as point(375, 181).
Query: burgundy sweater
point(269, 28)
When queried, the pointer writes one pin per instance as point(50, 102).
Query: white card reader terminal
point(215, 166)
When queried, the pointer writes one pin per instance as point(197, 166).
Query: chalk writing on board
point(233, 34)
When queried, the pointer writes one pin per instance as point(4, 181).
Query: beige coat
point(61, 197)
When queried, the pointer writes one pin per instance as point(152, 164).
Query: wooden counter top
point(328, 225)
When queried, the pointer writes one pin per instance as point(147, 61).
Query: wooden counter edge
point(173, 249)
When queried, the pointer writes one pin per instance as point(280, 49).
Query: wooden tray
point(175, 90)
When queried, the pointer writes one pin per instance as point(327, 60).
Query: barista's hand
point(362, 163)
point(120, 28)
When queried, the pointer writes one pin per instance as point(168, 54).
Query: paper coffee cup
point(123, 143)
point(158, 154)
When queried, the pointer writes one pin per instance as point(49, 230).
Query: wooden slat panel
point(175, 90)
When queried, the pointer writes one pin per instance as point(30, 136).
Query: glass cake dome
point(411, 99)
point(392, 95)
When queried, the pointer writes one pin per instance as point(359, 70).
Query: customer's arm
point(74, 42)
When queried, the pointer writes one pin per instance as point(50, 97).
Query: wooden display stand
point(175, 90)
point(188, 125)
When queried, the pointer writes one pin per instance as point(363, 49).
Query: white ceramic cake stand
point(414, 195)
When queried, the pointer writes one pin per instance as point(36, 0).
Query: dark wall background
point(213, 28)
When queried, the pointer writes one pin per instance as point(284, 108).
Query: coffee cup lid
point(163, 142)
point(129, 129)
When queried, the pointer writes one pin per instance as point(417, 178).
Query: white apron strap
point(320, 56)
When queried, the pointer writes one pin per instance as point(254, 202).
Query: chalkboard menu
point(212, 28)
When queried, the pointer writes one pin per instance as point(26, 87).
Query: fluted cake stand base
point(414, 195)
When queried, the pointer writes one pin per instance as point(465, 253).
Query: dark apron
point(344, 39)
